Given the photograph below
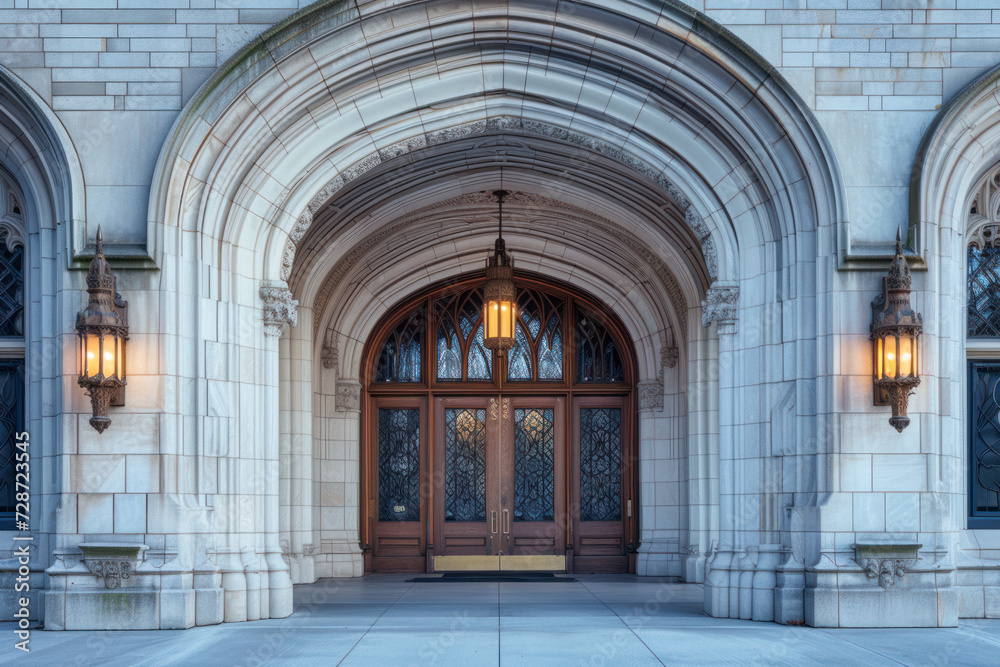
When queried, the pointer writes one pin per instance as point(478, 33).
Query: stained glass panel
point(11, 423)
point(460, 317)
point(449, 351)
point(398, 464)
point(465, 465)
point(11, 290)
point(984, 292)
point(985, 440)
point(519, 357)
point(550, 352)
point(400, 360)
point(534, 464)
point(600, 464)
point(480, 358)
point(597, 356)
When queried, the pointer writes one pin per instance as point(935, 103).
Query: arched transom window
point(541, 341)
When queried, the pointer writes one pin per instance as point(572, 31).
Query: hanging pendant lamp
point(499, 293)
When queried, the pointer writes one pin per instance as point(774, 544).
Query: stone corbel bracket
point(111, 563)
point(886, 562)
point(279, 308)
point(721, 305)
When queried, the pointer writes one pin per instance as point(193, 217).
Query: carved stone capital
point(279, 308)
point(348, 397)
point(651, 395)
point(720, 305)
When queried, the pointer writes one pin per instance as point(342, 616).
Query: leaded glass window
point(538, 342)
point(984, 292)
point(400, 360)
point(534, 464)
point(11, 423)
point(11, 290)
point(460, 348)
point(597, 355)
point(465, 464)
point(984, 443)
point(600, 464)
point(399, 464)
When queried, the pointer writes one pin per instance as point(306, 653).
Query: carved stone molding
point(112, 563)
point(279, 309)
point(886, 562)
point(720, 305)
point(651, 395)
point(348, 397)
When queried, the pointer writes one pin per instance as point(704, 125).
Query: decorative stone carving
point(651, 395)
point(11, 234)
point(886, 562)
point(984, 212)
point(279, 308)
point(668, 357)
point(330, 357)
point(720, 305)
point(348, 397)
point(112, 563)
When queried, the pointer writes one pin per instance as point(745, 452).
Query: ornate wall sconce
point(895, 336)
point(499, 293)
point(102, 329)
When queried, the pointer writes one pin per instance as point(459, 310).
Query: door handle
point(493, 521)
point(506, 522)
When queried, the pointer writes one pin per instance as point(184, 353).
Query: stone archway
point(325, 132)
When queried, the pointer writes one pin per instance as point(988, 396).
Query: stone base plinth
point(121, 609)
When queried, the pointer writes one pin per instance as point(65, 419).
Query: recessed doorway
point(473, 461)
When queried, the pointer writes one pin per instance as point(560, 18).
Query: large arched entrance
point(478, 461)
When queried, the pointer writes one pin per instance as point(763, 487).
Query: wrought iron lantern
point(895, 336)
point(499, 293)
point(102, 329)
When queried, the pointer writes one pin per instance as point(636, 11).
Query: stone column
point(279, 309)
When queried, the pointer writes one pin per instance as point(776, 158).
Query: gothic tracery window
point(983, 336)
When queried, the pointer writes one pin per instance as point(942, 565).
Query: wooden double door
point(503, 502)
point(500, 482)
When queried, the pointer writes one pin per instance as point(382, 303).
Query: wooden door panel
point(535, 448)
point(398, 512)
point(601, 490)
point(464, 476)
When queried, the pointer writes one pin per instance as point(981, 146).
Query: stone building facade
point(723, 179)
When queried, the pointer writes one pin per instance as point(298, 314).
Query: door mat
point(493, 577)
